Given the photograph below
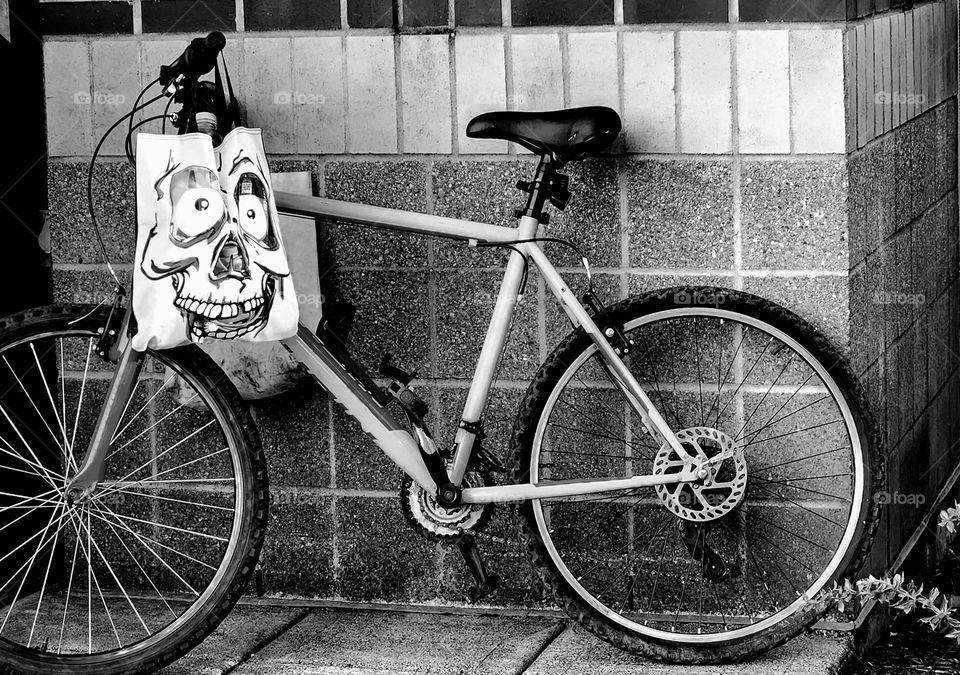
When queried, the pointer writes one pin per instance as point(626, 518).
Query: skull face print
point(220, 249)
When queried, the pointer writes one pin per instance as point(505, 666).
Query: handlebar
point(198, 59)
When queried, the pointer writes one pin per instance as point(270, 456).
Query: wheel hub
point(722, 469)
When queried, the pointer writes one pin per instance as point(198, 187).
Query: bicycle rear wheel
point(133, 576)
point(721, 569)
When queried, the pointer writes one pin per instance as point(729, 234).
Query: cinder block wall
point(903, 253)
point(741, 165)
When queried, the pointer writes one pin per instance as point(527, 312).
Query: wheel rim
point(161, 533)
point(688, 626)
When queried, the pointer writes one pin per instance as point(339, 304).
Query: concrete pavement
point(266, 640)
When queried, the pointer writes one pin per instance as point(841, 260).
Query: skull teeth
point(215, 310)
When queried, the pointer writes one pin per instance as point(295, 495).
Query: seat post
point(539, 188)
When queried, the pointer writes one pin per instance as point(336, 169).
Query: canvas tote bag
point(210, 262)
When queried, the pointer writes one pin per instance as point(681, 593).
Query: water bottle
point(207, 124)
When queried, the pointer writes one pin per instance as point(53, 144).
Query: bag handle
point(228, 108)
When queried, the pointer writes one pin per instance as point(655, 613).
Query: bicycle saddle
point(568, 134)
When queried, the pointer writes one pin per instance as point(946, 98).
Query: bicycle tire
point(559, 574)
point(251, 503)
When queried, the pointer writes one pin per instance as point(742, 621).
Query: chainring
point(440, 524)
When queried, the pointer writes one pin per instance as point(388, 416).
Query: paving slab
point(577, 651)
point(240, 634)
point(355, 642)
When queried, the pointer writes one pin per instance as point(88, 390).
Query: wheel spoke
point(169, 536)
point(153, 426)
point(146, 405)
point(83, 387)
point(47, 473)
point(750, 370)
point(142, 538)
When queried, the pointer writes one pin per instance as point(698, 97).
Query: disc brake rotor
point(724, 486)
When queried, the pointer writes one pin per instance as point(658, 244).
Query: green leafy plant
point(903, 595)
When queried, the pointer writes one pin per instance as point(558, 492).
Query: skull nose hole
point(231, 261)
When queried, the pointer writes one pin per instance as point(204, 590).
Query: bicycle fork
point(114, 344)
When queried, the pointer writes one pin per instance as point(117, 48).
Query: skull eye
point(253, 217)
point(198, 211)
point(254, 210)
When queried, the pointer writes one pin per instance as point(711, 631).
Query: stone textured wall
point(904, 297)
point(733, 170)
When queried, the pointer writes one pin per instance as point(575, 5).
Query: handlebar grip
point(198, 59)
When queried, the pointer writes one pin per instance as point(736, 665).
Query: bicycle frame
point(392, 438)
point(396, 442)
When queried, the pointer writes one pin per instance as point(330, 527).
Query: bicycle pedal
point(485, 583)
point(478, 593)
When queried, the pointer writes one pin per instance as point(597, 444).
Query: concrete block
point(364, 641)
point(481, 86)
point(87, 287)
point(268, 91)
point(398, 185)
point(763, 91)
point(116, 83)
point(153, 54)
point(872, 69)
point(680, 214)
point(480, 191)
point(69, 97)
point(114, 194)
point(295, 431)
point(360, 463)
point(465, 301)
point(822, 300)
point(537, 72)
point(794, 215)
point(317, 96)
point(592, 59)
point(941, 54)
point(887, 76)
point(297, 556)
point(592, 218)
point(388, 319)
point(816, 81)
point(371, 95)
point(425, 96)
point(649, 92)
point(380, 558)
point(863, 93)
point(705, 96)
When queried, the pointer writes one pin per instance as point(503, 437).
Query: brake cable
point(90, 207)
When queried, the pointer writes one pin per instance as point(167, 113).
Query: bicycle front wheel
point(133, 575)
point(720, 569)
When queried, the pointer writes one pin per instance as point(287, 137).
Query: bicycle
point(688, 467)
